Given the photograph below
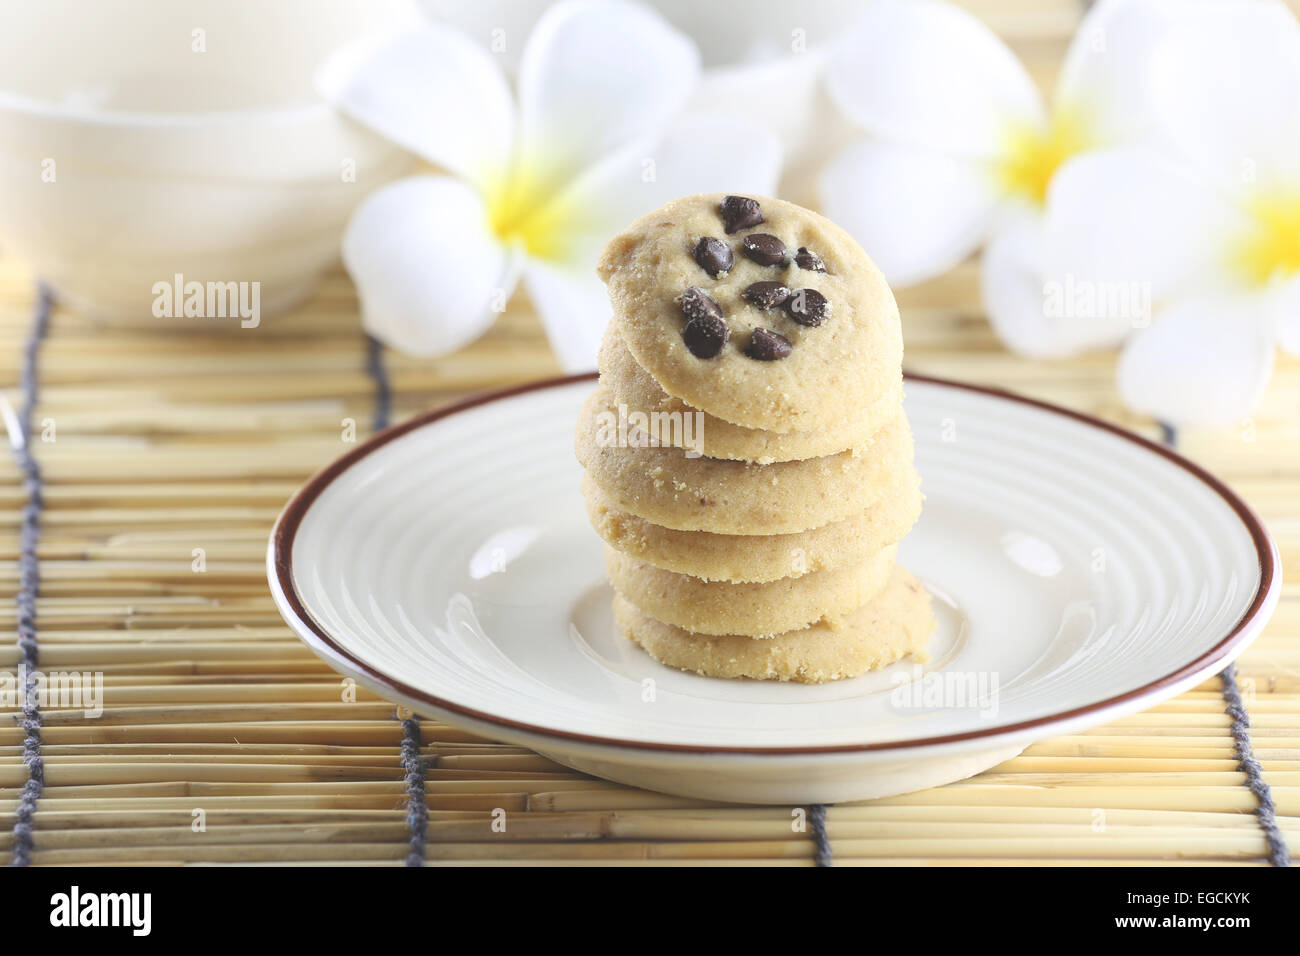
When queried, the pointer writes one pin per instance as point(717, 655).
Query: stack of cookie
point(747, 459)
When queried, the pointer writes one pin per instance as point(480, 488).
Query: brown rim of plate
point(286, 527)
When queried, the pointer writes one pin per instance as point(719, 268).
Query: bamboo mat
point(178, 447)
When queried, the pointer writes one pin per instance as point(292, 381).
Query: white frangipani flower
point(962, 149)
point(537, 177)
point(1211, 223)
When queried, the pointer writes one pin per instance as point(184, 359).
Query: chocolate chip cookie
point(632, 386)
point(758, 558)
point(895, 623)
point(752, 609)
point(748, 461)
point(792, 328)
point(668, 488)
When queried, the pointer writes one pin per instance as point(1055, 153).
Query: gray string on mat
point(821, 842)
point(383, 386)
point(1265, 810)
point(29, 581)
point(417, 809)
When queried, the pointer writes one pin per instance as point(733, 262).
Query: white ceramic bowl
point(144, 138)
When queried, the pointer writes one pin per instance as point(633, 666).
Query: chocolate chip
point(805, 258)
point(697, 303)
point(765, 249)
point(740, 213)
point(808, 307)
point(713, 255)
point(766, 295)
point(767, 346)
point(705, 335)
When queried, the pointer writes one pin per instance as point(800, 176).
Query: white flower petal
point(1035, 316)
point(429, 273)
point(1202, 362)
point(1103, 79)
point(430, 89)
point(501, 26)
point(1226, 86)
point(596, 77)
point(697, 154)
point(925, 73)
point(1128, 215)
point(1285, 304)
point(574, 309)
point(916, 212)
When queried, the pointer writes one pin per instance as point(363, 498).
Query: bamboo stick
point(847, 853)
point(434, 750)
point(478, 835)
point(396, 787)
point(1115, 796)
point(696, 824)
point(384, 731)
point(306, 801)
point(227, 693)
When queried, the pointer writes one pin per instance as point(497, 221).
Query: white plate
point(1081, 573)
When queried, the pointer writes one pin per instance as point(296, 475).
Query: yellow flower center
point(523, 211)
point(1271, 248)
point(1033, 154)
